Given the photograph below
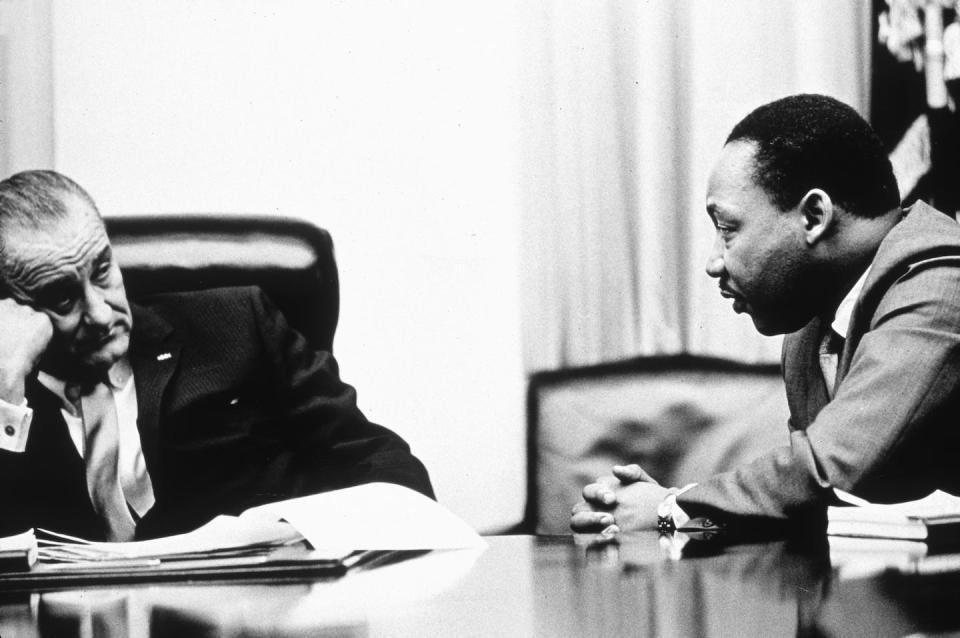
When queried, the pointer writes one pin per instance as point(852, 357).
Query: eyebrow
point(715, 209)
point(34, 296)
point(34, 291)
point(104, 255)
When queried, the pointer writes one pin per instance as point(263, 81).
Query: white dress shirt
point(841, 318)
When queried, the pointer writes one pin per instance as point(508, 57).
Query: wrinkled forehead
point(39, 249)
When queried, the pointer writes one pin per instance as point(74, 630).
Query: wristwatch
point(665, 522)
point(671, 516)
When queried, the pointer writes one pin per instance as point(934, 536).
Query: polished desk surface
point(521, 586)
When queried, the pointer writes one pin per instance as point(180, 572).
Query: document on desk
point(223, 537)
point(915, 537)
point(342, 528)
point(375, 516)
point(934, 519)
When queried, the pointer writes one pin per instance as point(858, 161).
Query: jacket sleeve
point(337, 445)
point(888, 434)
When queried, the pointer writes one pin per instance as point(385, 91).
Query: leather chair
point(681, 417)
point(291, 260)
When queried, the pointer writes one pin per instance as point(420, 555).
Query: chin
point(107, 355)
point(773, 326)
point(770, 328)
point(768, 331)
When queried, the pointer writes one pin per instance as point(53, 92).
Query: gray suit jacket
point(892, 430)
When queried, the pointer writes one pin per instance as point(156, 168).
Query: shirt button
point(9, 430)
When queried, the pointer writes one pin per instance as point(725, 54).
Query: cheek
point(64, 327)
point(745, 264)
point(116, 297)
point(781, 274)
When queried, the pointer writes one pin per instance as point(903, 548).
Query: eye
point(725, 231)
point(101, 271)
point(60, 301)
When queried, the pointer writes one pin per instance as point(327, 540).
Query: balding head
point(32, 200)
point(56, 258)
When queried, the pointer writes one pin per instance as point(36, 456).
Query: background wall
point(26, 85)
point(393, 125)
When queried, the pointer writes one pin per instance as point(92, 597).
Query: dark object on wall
point(898, 98)
point(291, 260)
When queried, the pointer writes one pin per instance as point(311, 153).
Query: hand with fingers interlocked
point(624, 501)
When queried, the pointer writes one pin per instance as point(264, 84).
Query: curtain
point(626, 106)
point(26, 86)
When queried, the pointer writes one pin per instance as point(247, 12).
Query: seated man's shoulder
point(233, 308)
point(235, 298)
point(927, 226)
point(220, 324)
point(926, 240)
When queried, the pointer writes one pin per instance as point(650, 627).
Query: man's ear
point(819, 215)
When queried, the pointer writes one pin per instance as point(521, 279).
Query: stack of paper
point(932, 519)
point(912, 537)
point(271, 540)
point(223, 537)
point(18, 552)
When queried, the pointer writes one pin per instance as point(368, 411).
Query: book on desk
point(316, 536)
point(917, 537)
point(934, 520)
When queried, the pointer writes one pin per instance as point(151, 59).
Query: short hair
point(815, 141)
point(38, 196)
point(35, 198)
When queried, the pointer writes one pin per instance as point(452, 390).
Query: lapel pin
point(163, 356)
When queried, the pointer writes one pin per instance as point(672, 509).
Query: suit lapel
point(52, 479)
point(806, 388)
point(154, 355)
point(49, 437)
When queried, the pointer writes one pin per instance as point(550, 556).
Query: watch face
point(665, 519)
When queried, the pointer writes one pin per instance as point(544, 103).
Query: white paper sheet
point(938, 503)
point(221, 533)
point(372, 516)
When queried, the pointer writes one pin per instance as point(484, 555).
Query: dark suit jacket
point(891, 431)
point(234, 410)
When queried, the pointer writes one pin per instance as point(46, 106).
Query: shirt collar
point(58, 387)
point(117, 377)
point(841, 318)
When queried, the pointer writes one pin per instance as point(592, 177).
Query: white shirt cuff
point(14, 426)
point(671, 510)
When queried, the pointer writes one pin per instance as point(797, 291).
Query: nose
point(715, 265)
point(96, 310)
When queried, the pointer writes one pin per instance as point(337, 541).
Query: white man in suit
point(121, 421)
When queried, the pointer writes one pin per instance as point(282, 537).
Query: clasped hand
point(625, 501)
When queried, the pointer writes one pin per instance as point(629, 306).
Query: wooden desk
point(519, 586)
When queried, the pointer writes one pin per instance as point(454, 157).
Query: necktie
point(830, 347)
point(101, 452)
